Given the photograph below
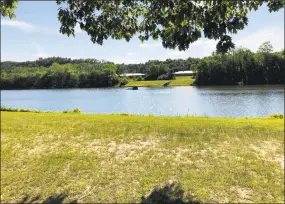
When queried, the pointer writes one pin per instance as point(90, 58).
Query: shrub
point(167, 83)
point(139, 78)
point(277, 116)
point(123, 81)
point(166, 76)
point(9, 109)
point(124, 114)
point(77, 110)
point(162, 77)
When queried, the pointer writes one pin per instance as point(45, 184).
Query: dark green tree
point(7, 8)
point(266, 47)
point(177, 22)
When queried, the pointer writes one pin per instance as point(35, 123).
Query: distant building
point(184, 73)
point(131, 75)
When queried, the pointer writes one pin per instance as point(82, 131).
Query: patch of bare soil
point(268, 151)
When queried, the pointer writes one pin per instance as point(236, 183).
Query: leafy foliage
point(178, 23)
point(277, 116)
point(57, 72)
point(7, 8)
point(139, 78)
point(123, 81)
point(266, 47)
point(76, 110)
point(46, 62)
point(242, 66)
point(10, 109)
point(60, 76)
point(173, 65)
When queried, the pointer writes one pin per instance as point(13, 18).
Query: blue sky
point(35, 33)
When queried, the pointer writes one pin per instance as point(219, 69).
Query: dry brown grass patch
point(268, 151)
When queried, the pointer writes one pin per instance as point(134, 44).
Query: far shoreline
point(143, 86)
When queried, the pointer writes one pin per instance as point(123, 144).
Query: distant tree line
point(60, 76)
point(57, 72)
point(240, 65)
point(47, 62)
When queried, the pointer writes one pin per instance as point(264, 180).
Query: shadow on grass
point(57, 199)
point(171, 193)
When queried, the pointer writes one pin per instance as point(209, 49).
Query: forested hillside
point(239, 65)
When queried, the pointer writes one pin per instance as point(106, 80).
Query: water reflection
point(219, 101)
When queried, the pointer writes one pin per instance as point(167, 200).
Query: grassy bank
point(179, 81)
point(114, 158)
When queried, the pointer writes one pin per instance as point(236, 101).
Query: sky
point(35, 33)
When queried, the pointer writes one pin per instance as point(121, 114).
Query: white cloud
point(202, 47)
point(18, 24)
point(177, 53)
point(126, 59)
point(150, 45)
point(252, 41)
point(205, 43)
point(131, 53)
point(41, 52)
point(29, 27)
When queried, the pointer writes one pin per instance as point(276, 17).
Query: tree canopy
point(7, 8)
point(265, 47)
point(178, 23)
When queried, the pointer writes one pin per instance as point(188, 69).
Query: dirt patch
point(268, 151)
point(38, 149)
point(120, 151)
point(137, 149)
point(133, 150)
point(42, 145)
point(244, 194)
point(221, 196)
point(95, 145)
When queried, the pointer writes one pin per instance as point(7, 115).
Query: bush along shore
point(121, 158)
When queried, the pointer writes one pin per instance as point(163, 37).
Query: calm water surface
point(220, 101)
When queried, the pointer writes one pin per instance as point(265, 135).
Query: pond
point(214, 101)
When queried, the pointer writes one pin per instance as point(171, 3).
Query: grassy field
point(56, 157)
point(182, 81)
point(179, 81)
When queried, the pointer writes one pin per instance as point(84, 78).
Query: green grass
point(10, 109)
point(154, 83)
point(182, 81)
point(179, 81)
point(120, 158)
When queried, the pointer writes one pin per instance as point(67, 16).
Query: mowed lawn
point(56, 157)
point(182, 81)
point(154, 83)
point(179, 81)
